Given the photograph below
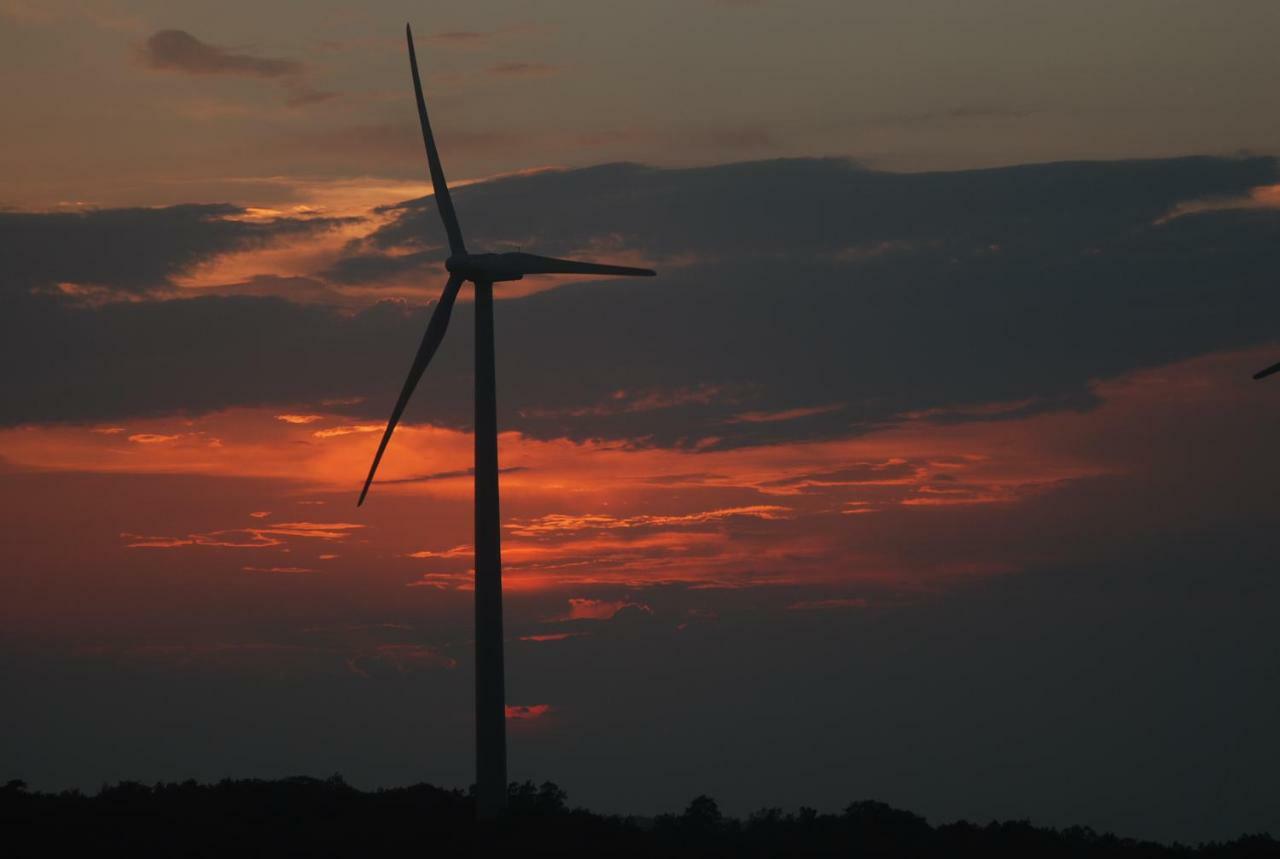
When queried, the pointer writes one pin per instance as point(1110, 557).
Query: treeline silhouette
point(328, 817)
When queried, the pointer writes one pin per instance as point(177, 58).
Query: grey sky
point(904, 85)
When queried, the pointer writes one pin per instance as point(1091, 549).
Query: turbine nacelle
point(483, 267)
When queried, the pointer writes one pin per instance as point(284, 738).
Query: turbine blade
point(430, 341)
point(443, 201)
point(1262, 374)
point(534, 264)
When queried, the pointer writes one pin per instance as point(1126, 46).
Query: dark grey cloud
point(300, 94)
point(300, 289)
point(179, 51)
point(133, 250)
point(787, 285)
point(188, 355)
point(799, 207)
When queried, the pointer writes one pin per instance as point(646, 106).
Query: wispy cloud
point(152, 438)
point(246, 538)
point(551, 636)
point(758, 417)
point(560, 522)
point(179, 51)
point(349, 429)
point(581, 608)
point(400, 659)
point(462, 551)
point(444, 581)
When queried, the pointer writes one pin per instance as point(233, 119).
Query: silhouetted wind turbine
point(484, 270)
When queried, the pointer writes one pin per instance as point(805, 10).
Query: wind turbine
point(1262, 374)
point(484, 270)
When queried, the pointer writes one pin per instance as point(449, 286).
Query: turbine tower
point(484, 270)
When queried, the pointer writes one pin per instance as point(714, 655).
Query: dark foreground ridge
point(314, 817)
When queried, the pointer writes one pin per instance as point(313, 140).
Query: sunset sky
point(929, 469)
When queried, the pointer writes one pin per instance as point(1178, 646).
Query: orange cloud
point(462, 551)
point(444, 581)
point(559, 522)
point(581, 608)
point(1260, 197)
point(152, 438)
point(349, 429)
point(552, 636)
point(785, 414)
point(245, 538)
point(908, 503)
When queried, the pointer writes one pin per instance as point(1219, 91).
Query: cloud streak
point(248, 538)
point(179, 51)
